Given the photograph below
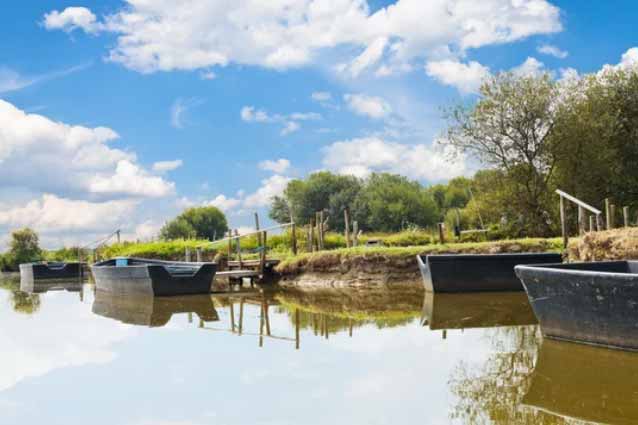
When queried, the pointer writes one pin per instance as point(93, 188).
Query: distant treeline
point(532, 133)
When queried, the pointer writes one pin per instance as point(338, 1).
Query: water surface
point(288, 357)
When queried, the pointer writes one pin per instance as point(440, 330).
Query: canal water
point(69, 355)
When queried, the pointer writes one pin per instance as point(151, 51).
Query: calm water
point(76, 357)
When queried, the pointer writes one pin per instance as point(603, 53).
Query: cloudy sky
point(120, 113)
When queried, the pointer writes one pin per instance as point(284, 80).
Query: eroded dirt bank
point(616, 244)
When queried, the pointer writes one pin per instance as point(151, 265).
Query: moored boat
point(593, 303)
point(153, 277)
point(477, 272)
point(44, 270)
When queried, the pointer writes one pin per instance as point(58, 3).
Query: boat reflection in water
point(587, 383)
point(152, 311)
point(476, 310)
point(35, 286)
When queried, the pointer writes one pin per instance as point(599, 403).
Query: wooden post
point(259, 243)
point(238, 242)
point(321, 230)
point(262, 254)
point(563, 224)
point(612, 215)
point(581, 220)
point(591, 224)
point(312, 235)
point(240, 328)
point(293, 238)
point(232, 316)
point(347, 227)
point(265, 307)
point(230, 246)
point(607, 214)
point(599, 223)
point(199, 255)
point(355, 233)
point(441, 233)
point(625, 216)
point(187, 255)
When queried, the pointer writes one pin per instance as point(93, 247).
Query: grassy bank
point(346, 258)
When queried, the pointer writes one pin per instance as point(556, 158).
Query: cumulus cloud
point(164, 166)
point(362, 156)
point(370, 106)
point(290, 122)
point(54, 214)
point(279, 166)
point(531, 67)
point(548, 49)
point(224, 203)
point(42, 155)
point(270, 187)
point(72, 18)
point(153, 36)
point(628, 60)
point(467, 78)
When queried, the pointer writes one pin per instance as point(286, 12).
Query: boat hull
point(157, 278)
point(33, 273)
point(477, 272)
point(593, 303)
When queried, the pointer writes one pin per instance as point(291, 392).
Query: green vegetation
point(198, 222)
point(23, 248)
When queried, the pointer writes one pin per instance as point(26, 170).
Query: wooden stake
point(297, 324)
point(581, 220)
point(591, 224)
point(238, 242)
point(355, 233)
point(262, 254)
point(441, 233)
point(321, 231)
point(199, 255)
point(612, 215)
point(293, 238)
point(312, 236)
point(563, 224)
point(599, 223)
point(625, 216)
point(347, 227)
point(607, 214)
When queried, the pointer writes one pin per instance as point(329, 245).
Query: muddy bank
point(386, 267)
point(616, 244)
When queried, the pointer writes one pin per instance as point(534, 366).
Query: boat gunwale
point(574, 271)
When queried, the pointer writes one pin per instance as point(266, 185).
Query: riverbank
point(616, 244)
point(387, 266)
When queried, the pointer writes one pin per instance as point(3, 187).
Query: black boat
point(51, 270)
point(476, 310)
point(153, 277)
point(593, 303)
point(477, 272)
point(591, 384)
point(144, 310)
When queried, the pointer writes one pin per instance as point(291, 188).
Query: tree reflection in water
point(21, 302)
point(492, 394)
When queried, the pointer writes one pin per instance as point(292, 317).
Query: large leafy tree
point(510, 128)
point(389, 202)
point(24, 246)
point(198, 222)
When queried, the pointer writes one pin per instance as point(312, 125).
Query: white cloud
point(279, 166)
point(154, 36)
point(530, 68)
point(207, 75)
point(270, 187)
point(321, 96)
point(224, 203)
point(132, 180)
point(42, 155)
point(370, 106)
point(548, 49)
point(629, 60)
point(363, 156)
point(54, 214)
point(72, 18)
point(467, 78)
point(290, 122)
point(164, 166)
point(179, 108)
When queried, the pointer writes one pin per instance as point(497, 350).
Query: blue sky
point(121, 113)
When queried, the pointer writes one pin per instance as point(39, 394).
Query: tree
point(322, 191)
point(197, 222)
point(24, 246)
point(510, 129)
point(389, 203)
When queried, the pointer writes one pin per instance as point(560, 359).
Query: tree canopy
point(24, 246)
point(197, 222)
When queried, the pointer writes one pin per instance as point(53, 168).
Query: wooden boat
point(593, 303)
point(476, 310)
point(51, 270)
point(153, 277)
point(145, 310)
point(585, 383)
point(477, 272)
